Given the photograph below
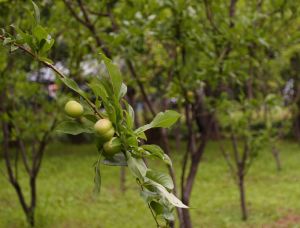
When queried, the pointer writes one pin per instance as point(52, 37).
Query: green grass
point(66, 199)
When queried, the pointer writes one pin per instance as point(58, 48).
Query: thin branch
point(141, 86)
point(210, 16)
point(11, 176)
point(73, 12)
point(42, 144)
point(97, 13)
point(227, 159)
point(24, 156)
point(190, 146)
point(232, 12)
point(85, 15)
point(87, 23)
point(16, 164)
point(235, 147)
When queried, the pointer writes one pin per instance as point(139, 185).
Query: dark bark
point(242, 195)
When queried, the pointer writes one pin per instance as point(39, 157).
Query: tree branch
point(87, 23)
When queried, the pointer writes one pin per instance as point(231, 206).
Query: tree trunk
point(187, 218)
point(190, 182)
point(122, 179)
point(242, 196)
point(276, 154)
point(296, 127)
point(177, 136)
point(186, 213)
point(30, 217)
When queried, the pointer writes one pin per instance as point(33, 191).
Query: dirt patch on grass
point(287, 221)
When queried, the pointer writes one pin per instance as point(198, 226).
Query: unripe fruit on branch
point(104, 129)
point(190, 96)
point(112, 147)
point(73, 109)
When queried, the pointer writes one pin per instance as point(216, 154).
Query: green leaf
point(156, 151)
point(123, 91)
point(114, 74)
point(168, 215)
point(7, 41)
point(168, 196)
point(99, 90)
point(132, 141)
point(36, 12)
point(73, 128)
point(39, 33)
point(117, 160)
point(91, 117)
point(44, 59)
point(13, 48)
point(129, 113)
point(142, 135)
point(163, 119)
point(137, 166)
point(149, 196)
point(47, 45)
point(161, 178)
point(157, 207)
point(73, 86)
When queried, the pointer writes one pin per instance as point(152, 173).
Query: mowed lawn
point(66, 198)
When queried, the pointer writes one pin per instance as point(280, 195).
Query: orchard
point(167, 113)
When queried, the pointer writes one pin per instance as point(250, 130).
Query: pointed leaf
point(137, 166)
point(169, 196)
point(156, 151)
point(117, 160)
point(163, 119)
point(161, 178)
point(114, 74)
point(36, 12)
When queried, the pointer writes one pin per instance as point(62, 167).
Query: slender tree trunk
point(276, 156)
point(190, 182)
point(242, 196)
point(187, 218)
point(296, 127)
point(122, 179)
point(186, 213)
point(177, 136)
point(30, 217)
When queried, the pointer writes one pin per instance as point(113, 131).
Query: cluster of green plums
point(103, 129)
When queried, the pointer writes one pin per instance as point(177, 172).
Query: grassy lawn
point(66, 199)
